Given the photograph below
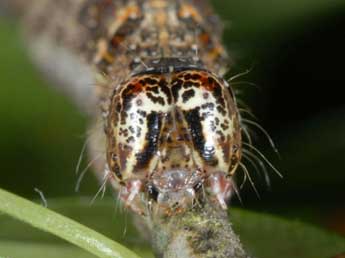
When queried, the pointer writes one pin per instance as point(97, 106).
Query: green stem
point(65, 228)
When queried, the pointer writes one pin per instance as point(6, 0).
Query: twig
point(203, 232)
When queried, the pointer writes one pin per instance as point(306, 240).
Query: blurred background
point(295, 51)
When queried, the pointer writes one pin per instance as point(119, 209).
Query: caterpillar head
point(175, 132)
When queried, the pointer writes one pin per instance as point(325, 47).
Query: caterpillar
point(150, 74)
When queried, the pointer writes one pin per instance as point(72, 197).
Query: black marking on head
point(187, 76)
point(138, 133)
point(154, 123)
point(141, 112)
point(131, 129)
point(155, 99)
point(208, 105)
point(176, 87)
point(205, 95)
point(130, 139)
point(196, 131)
point(127, 96)
point(224, 126)
point(220, 133)
point(217, 91)
point(221, 110)
point(154, 89)
point(123, 132)
point(116, 169)
point(213, 126)
point(195, 127)
point(196, 77)
point(187, 95)
point(165, 89)
point(151, 81)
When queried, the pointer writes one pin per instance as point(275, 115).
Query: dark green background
point(296, 52)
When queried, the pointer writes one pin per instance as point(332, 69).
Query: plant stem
point(204, 232)
point(63, 227)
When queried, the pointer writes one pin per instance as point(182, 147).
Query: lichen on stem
point(202, 232)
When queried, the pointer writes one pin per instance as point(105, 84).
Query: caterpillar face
point(171, 133)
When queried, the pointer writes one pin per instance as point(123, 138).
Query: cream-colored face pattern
point(153, 114)
point(169, 132)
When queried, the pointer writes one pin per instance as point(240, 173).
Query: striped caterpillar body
point(170, 132)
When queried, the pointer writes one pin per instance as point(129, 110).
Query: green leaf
point(36, 250)
point(21, 249)
point(270, 237)
point(61, 226)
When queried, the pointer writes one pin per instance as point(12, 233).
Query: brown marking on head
point(188, 11)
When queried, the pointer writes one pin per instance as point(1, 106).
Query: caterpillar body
point(150, 73)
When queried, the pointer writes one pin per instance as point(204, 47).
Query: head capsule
point(172, 131)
